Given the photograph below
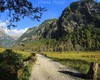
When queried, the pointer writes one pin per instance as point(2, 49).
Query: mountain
point(44, 30)
point(78, 28)
point(78, 15)
point(27, 36)
point(5, 40)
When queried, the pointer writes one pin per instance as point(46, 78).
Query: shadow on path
point(74, 74)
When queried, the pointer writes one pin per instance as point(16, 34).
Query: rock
point(92, 73)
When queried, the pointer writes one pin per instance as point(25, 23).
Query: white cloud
point(2, 24)
point(15, 33)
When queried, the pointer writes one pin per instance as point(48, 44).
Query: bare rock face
point(79, 14)
point(44, 30)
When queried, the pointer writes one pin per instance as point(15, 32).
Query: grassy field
point(25, 71)
point(1, 50)
point(77, 60)
point(15, 65)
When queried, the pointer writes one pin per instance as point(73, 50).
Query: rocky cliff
point(44, 30)
point(78, 15)
point(78, 27)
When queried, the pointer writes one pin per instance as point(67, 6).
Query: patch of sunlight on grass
point(1, 50)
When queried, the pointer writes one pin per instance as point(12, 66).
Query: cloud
point(2, 24)
point(15, 33)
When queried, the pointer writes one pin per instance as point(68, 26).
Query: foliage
point(15, 66)
point(46, 45)
point(18, 9)
point(80, 26)
point(87, 37)
point(81, 39)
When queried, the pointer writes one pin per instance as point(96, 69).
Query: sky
point(54, 10)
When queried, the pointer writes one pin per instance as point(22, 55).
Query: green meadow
point(78, 60)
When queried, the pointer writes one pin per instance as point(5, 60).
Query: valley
point(57, 49)
point(74, 30)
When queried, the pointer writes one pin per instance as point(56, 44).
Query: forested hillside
point(78, 28)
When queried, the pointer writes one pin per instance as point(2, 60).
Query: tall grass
point(16, 65)
point(77, 60)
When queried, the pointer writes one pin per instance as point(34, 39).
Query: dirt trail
point(47, 69)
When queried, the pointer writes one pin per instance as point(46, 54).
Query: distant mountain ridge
point(27, 36)
point(78, 27)
point(5, 40)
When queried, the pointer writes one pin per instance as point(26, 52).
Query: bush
point(14, 66)
point(9, 64)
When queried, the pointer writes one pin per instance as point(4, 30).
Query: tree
point(18, 9)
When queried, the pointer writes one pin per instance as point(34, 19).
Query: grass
point(16, 64)
point(77, 60)
point(1, 50)
point(25, 71)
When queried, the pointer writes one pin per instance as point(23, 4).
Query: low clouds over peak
point(15, 33)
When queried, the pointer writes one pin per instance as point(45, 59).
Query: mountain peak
point(77, 25)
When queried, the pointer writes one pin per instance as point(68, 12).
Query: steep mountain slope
point(77, 15)
point(44, 30)
point(27, 36)
point(78, 28)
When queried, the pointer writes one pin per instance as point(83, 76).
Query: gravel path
point(47, 69)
